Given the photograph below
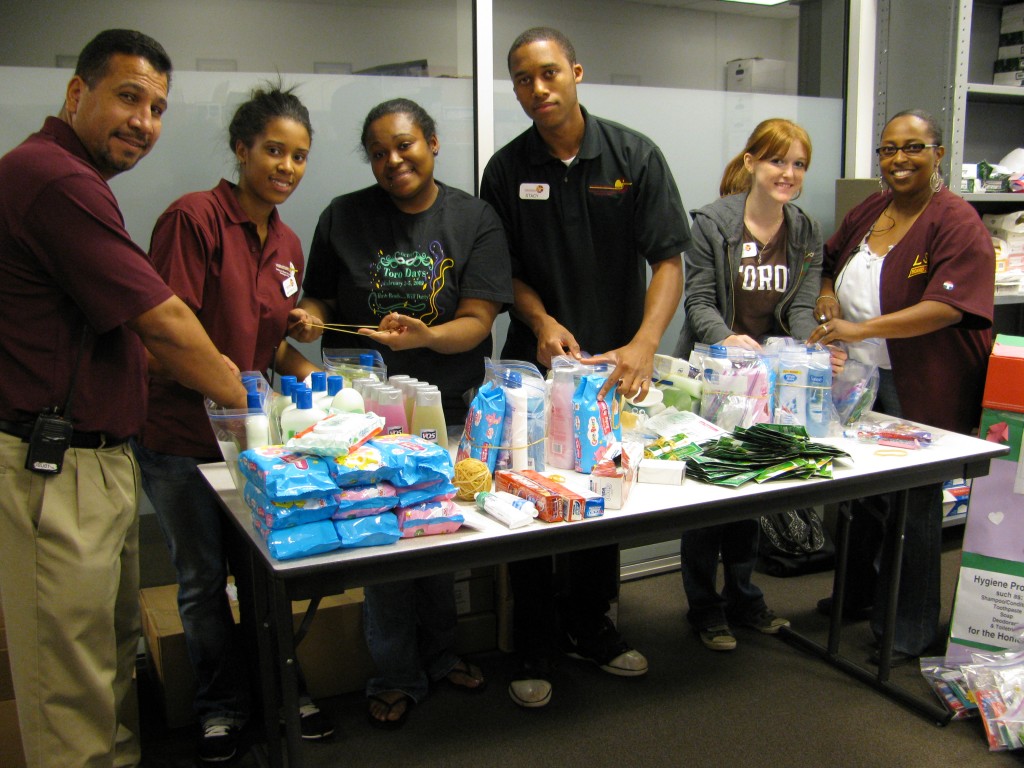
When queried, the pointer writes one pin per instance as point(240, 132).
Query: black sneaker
point(608, 650)
point(313, 723)
point(764, 621)
point(217, 743)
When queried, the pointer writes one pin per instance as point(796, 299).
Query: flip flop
point(390, 725)
point(467, 670)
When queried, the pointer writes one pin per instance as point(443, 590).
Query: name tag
point(749, 251)
point(536, 191)
point(289, 286)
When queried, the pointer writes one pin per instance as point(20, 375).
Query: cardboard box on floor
point(333, 654)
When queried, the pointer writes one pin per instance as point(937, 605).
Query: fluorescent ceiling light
point(757, 2)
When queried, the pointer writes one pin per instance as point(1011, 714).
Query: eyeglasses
point(907, 149)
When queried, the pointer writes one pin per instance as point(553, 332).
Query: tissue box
point(661, 471)
point(614, 483)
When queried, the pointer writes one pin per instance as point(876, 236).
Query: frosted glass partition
point(699, 132)
point(193, 152)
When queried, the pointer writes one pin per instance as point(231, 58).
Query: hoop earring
point(935, 181)
point(882, 185)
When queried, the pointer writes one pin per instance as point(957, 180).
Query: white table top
point(652, 512)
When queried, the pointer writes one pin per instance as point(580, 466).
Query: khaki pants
point(69, 580)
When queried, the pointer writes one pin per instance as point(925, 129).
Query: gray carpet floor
point(766, 703)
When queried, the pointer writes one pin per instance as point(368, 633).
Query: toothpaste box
point(578, 504)
point(550, 506)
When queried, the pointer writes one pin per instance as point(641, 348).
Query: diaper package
point(429, 518)
point(402, 460)
point(483, 432)
point(595, 421)
point(300, 540)
point(284, 514)
point(283, 475)
point(368, 531)
point(365, 500)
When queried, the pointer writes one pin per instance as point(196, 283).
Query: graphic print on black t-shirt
point(409, 282)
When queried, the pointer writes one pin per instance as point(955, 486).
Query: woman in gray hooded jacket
point(753, 270)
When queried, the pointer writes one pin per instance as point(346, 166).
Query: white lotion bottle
point(302, 416)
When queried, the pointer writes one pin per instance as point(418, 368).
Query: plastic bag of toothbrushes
point(997, 686)
point(524, 426)
point(738, 385)
point(854, 390)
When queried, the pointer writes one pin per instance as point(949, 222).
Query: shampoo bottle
point(428, 417)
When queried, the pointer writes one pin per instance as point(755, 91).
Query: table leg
point(288, 671)
point(879, 680)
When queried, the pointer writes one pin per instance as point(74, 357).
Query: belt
point(93, 440)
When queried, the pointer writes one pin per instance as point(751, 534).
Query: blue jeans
point(917, 616)
point(191, 521)
point(699, 551)
point(410, 631)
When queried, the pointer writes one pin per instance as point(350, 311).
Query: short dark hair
point(265, 104)
point(94, 58)
point(398, 107)
point(537, 34)
point(929, 119)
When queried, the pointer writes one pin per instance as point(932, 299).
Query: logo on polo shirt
point(920, 265)
point(620, 187)
point(534, 191)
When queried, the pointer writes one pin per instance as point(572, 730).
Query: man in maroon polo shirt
point(81, 308)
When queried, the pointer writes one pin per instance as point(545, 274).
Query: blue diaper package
point(595, 421)
point(368, 531)
point(301, 540)
point(401, 460)
point(482, 435)
point(435, 490)
point(284, 514)
point(282, 474)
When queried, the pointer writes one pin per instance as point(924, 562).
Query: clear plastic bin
point(236, 428)
point(352, 364)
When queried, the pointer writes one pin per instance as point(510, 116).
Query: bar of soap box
point(662, 471)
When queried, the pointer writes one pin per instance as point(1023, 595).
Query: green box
point(1014, 430)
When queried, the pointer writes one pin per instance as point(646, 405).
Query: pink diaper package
point(429, 518)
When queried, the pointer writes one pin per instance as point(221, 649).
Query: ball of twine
point(471, 477)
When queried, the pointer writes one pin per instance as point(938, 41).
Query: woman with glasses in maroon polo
point(908, 285)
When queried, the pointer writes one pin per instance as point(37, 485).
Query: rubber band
point(891, 452)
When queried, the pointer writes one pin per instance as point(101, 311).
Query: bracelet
point(829, 298)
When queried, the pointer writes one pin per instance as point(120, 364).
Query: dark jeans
point(410, 629)
point(570, 592)
point(917, 616)
point(193, 527)
point(699, 551)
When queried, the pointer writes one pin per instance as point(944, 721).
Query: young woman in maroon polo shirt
point(229, 256)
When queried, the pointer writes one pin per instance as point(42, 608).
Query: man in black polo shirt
point(587, 204)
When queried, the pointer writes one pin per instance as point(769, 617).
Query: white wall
point(667, 47)
point(664, 47)
point(261, 35)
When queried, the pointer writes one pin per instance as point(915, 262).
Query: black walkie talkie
point(50, 440)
